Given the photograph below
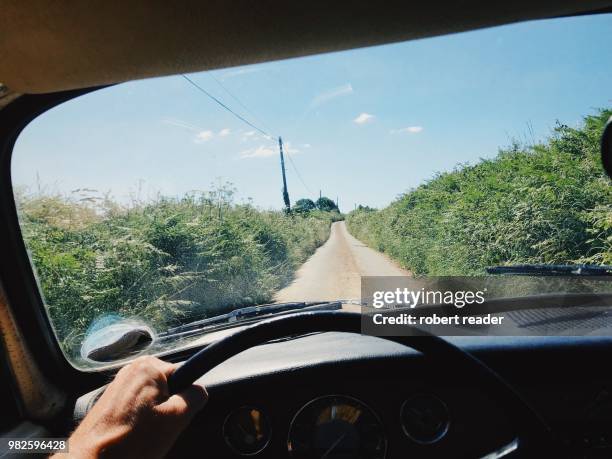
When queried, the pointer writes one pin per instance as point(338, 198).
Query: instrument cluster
point(337, 426)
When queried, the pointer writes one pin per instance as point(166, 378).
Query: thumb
point(185, 404)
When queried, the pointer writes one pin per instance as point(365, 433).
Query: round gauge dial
point(336, 427)
point(246, 431)
point(425, 418)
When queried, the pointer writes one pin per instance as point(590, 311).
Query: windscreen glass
point(154, 204)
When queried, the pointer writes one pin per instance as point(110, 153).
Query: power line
point(298, 174)
point(241, 118)
point(238, 101)
point(244, 120)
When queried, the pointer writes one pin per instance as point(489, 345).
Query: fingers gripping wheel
point(534, 434)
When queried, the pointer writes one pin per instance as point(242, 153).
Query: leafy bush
point(304, 205)
point(166, 262)
point(550, 203)
point(325, 204)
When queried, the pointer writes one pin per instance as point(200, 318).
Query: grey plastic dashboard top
point(335, 347)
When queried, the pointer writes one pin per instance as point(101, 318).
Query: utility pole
point(285, 192)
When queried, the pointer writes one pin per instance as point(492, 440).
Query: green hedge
point(166, 262)
point(550, 203)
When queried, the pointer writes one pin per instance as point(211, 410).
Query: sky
point(361, 126)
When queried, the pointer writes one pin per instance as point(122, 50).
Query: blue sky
point(363, 125)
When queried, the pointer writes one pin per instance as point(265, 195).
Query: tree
point(327, 205)
point(304, 205)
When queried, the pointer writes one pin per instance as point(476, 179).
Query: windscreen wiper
point(552, 270)
point(246, 313)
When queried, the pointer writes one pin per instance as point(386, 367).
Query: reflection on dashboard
point(336, 427)
point(246, 431)
point(425, 418)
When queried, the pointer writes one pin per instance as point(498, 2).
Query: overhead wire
point(240, 117)
point(238, 101)
point(299, 176)
point(244, 120)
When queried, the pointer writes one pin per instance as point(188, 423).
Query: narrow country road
point(335, 269)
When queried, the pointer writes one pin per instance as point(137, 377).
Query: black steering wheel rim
point(533, 432)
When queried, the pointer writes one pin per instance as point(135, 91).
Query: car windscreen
point(154, 204)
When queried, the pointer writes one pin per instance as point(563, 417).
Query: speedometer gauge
point(336, 427)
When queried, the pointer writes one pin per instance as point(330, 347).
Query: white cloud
point(181, 124)
point(330, 94)
point(203, 136)
point(259, 152)
point(224, 132)
point(254, 136)
point(363, 118)
point(289, 149)
point(408, 130)
point(265, 151)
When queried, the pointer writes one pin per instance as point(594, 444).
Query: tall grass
point(548, 203)
point(167, 262)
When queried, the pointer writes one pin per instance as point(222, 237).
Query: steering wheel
point(534, 435)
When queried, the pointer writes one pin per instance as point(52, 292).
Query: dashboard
point(341, 395)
